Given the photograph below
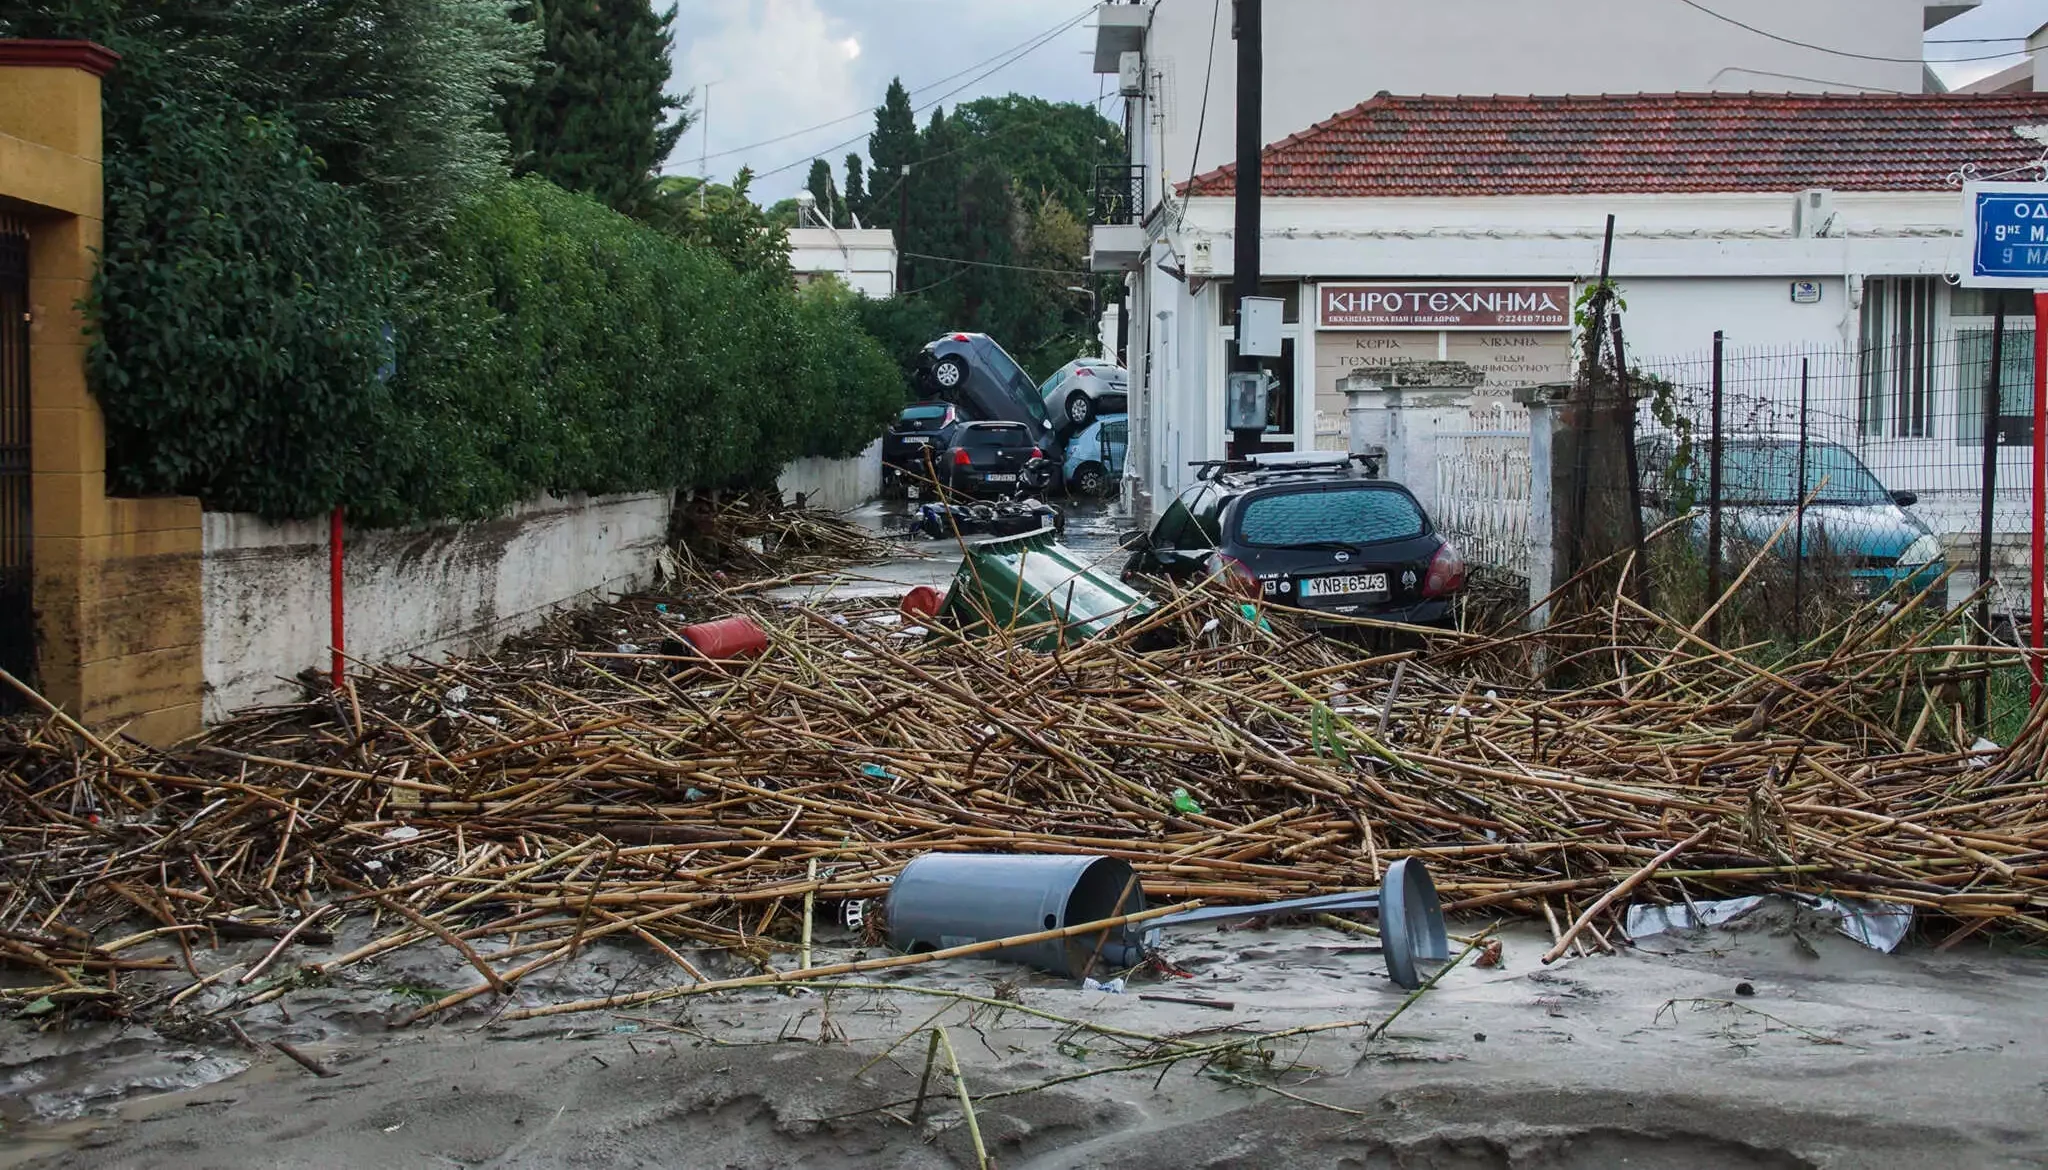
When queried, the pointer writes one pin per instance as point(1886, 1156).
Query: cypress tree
point(831, 208)
point(856, 191)
point(596, 116)
point(893, 144)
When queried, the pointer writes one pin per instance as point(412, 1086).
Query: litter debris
point(401, 833)
point(1113, 987)
point(1879, 926)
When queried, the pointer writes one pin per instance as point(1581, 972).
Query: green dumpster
point(1041, 589)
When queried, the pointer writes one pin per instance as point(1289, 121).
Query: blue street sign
point(2008, 233)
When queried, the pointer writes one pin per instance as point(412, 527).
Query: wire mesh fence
point(1895, 474)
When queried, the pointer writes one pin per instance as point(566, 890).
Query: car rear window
point(921, 413)
point(1346, 515)
point(1005, 436)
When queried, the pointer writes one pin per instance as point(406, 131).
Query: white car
point(1082, 389)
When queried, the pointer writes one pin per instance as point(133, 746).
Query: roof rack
point(1287, 463)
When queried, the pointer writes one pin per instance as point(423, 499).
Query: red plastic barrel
point(922, 602)
point(733, 637)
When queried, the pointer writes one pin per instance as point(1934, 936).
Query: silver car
point(1082, 389)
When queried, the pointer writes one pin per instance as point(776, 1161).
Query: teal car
point(1852, 518)
point(1095, 456)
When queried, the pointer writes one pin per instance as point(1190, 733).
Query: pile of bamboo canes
point(513, 808)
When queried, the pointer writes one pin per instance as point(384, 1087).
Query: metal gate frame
point(17, 576)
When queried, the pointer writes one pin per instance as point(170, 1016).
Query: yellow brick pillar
point(116, 581)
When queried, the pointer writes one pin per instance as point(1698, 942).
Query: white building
point(864, 259)
point(1465, 228)
point(1327, 55)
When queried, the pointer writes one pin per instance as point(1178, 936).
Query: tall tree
point(893, 145)
point(596, 116)
point(856, 190)
point(831, 208)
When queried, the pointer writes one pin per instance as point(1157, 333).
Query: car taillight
point(961, 458)
point(959, 337)
point(1446, 573)
point(1084, 372)
point(1037, 453)
point(1235, 576)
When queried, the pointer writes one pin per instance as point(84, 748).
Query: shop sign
point(1444, 306)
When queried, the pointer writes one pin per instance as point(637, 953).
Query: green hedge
point(238, 317)
point(551, 344)
point(566, 347)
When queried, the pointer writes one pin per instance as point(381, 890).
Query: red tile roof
point(1647, 144)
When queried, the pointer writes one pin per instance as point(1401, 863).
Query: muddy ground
point(1838, 1057)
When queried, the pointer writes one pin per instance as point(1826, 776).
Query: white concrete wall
point(1325, 56)
point(430, 592)
point(835, 485)
point(862, 259)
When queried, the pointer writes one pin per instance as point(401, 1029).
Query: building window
point(1972, 312)
point(1898, 357)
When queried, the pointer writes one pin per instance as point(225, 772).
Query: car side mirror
point(1134, 542)
point(1905, 499)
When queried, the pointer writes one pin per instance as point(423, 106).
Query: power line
point(992, 264)
point(1062, 27)
point(1208, 71)
point(1029, 49)
point(1921, 60)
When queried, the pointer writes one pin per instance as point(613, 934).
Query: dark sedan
point(919, 428)
point(1307, 532)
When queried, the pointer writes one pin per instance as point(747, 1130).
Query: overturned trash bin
point(1033, 582)
point(945, 900)
point(950, 899)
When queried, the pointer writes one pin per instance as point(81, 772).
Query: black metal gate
point(17, 581)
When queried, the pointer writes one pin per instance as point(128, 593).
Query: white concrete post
point(1400, 409)
point(1542, 402)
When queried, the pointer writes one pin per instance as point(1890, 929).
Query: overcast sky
point(777, 67)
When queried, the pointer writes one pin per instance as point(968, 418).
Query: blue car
point(1852, 519)
point(1095, 456)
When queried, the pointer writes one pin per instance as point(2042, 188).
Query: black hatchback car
point(987, 458)
point(1310, 532)
point(919, 427)
point(971, 371)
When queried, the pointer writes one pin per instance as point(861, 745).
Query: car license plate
point(1002, 479)
point(1341, 586)
point(916, 441)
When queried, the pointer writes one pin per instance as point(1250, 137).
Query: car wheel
point(1080, 409)
point(1089, 479)
point(950, 372)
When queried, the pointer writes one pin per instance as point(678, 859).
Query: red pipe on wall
point(334, 590)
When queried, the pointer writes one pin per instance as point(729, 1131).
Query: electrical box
point(1258, 326)
point(1245, 397)
point(1813, 217)
point(1130, 74)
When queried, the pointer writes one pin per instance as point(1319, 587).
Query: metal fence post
point(1992, 409)
point(1799, 491)
point(1714, 501)
point(1640, 570)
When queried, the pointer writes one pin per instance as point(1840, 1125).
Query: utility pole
point(1251, 59)
point(704, 145)
point(903, 228)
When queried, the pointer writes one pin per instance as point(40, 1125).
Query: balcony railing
point(1119, 195)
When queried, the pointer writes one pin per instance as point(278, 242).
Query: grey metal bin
point(949, 899)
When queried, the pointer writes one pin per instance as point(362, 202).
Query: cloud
point(773, 66)
point(779, 66)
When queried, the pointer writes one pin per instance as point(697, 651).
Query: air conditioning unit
point(1813, 217)
point(1130, 74)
